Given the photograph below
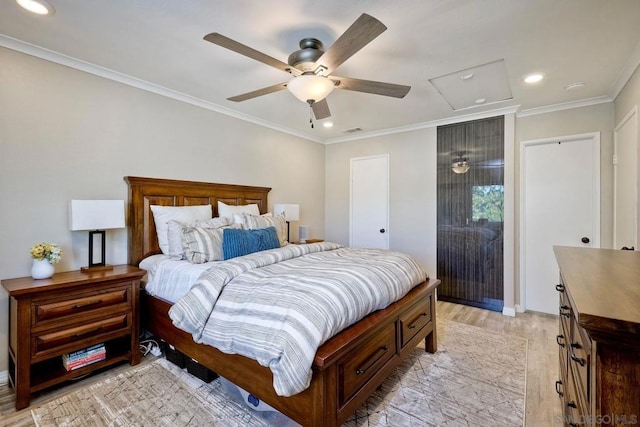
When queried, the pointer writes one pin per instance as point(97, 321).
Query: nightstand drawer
point(52, 342)
point(70, 307)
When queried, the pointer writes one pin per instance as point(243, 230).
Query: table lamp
point(96, 216)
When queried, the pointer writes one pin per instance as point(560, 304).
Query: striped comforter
point(278, 306)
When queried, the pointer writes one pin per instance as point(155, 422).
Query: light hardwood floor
point(542, 406)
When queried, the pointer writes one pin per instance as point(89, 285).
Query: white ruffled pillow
point(185, 214)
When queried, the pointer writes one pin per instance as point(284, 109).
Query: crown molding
point(429, 124)
point(68, 61)
point(625, 74)
point(565, 106)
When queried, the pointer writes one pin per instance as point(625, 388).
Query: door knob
point(585, 240)
point(382, 230)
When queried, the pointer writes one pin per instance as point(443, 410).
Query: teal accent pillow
point(237, 242)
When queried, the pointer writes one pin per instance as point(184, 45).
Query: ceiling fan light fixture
point(40, 7)
point(460, 166)
point(310, 87)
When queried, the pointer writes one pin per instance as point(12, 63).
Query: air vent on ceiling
point(354, 130)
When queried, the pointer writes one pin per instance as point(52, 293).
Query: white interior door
point(560, 206)
point(625, 182)
point(369, 222)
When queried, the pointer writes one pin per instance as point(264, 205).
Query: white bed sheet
point(169, 279)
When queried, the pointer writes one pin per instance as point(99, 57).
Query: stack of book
point(84, 357)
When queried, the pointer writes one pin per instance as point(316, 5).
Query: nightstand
point(308, 241)
point(68, 312)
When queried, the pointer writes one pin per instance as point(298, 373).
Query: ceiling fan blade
point(321, 109)
point(368, 86)
point(358, 35)
point(259, 92)
point(242, 49)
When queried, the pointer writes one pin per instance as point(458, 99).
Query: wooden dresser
point(599, 336)
point(69, 312)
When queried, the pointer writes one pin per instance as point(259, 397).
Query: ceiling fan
point(311, 66)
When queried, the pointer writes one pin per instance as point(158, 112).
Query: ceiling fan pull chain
point(311, 115)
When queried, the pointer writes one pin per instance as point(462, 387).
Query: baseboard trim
point(4, 377)
point(509, 311)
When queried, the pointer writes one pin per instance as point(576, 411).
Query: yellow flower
point(49, 251)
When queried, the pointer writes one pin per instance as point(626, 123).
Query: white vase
point(41, 269)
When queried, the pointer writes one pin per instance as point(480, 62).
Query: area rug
point(477, 378)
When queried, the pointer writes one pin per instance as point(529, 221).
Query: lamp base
point(97, 268)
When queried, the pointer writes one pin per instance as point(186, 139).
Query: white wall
point(412, 191)
point(413, 182)
point(66, 134)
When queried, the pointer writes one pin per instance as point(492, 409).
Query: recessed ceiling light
point(481, 100)
point(575, 86)
point(40, 7)
point(533, 78)
point(328, 124)
point(466, 76)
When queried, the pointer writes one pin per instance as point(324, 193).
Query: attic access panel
point(476, 86)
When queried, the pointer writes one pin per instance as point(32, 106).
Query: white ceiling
point(158, 45)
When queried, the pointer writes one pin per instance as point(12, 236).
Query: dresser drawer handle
point(414, 324)
point(558, 384)
point(88, 304)
point(560, 288)
point(578, 360)
point(565, 311)
point(575, 345)
point(572, 404)
point(381, 352)
point(558, 338)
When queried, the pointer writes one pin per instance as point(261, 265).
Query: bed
point(346, 369)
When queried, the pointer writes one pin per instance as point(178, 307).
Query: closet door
point(470, 219)
point(369, 225)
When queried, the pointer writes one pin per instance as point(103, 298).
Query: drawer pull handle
point(381, 351)
point(560, 288)
point(572, 404)
point(578, 360)
point(91, 332)
point(558, 338)
point(575, 345)
point(558, 384)
point(565, 310)
point(413, 325)
point(88, 304)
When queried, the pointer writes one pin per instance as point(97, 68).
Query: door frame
point(351, 162)
point(594, 137)
point(633, 114)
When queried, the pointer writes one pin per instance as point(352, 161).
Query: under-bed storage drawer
point(414, 319)
point(358, 366)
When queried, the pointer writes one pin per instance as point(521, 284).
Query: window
point(487, 202)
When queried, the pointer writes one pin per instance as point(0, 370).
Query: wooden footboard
point(346, 369)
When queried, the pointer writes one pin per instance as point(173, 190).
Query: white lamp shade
point(291, 211)
point(310, 87)
point(96, 214)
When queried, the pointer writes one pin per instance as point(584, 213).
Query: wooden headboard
point(144, 192)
